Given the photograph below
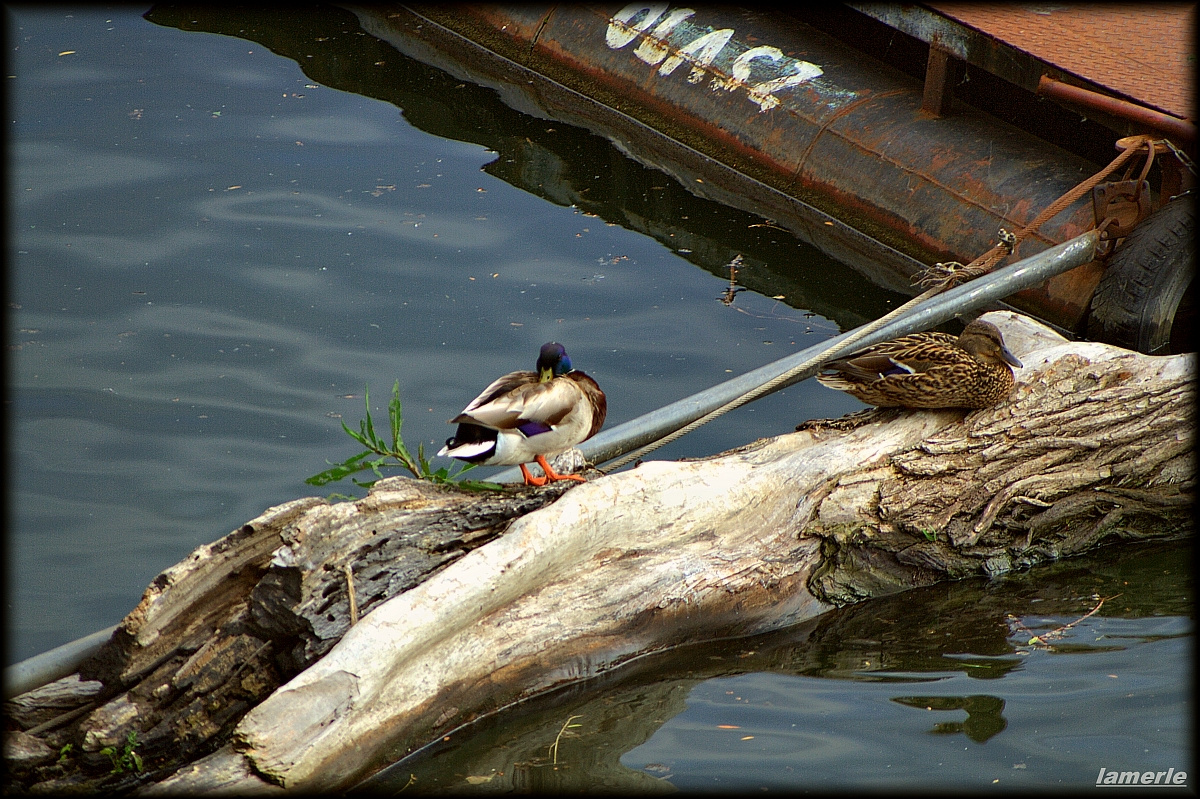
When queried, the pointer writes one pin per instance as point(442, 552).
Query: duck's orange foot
point(554, 476)
point(551, 475)
point(530, 480)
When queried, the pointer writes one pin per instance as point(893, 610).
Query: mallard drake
point(525, 416)
point(929, 370)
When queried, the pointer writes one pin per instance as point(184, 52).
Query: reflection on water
point(794, 709)
point(218, 248)
point(220, 240)
point(561, 164)
point(985, 714)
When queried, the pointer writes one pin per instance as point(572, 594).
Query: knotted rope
point(938, 278)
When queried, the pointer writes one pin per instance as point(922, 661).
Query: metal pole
point(49, 666)
point(1001, 283)
point(61, 661)
point(1181, 130)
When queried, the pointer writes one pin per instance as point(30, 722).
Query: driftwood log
point(240, 669)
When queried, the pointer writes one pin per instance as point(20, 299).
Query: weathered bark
point(905, 633)
point(1095, 443)
point(218, 632)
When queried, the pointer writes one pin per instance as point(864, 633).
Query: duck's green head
point(552, 362)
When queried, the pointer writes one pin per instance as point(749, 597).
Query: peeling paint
point(762, 71)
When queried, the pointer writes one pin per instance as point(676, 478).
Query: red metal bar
point(1181, 130)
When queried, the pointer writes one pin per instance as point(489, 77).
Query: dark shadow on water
point(985, 714)
point(565, 165)
point(974, 627)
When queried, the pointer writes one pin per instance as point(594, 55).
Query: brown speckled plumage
point(929, 370)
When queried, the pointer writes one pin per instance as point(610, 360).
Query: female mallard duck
point(929, 370)
point(525, 416)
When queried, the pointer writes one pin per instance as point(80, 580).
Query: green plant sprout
point(125, 759)
point(392, 456)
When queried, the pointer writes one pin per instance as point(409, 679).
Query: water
point(215, 256)
point(936, 688)
point(214, 251)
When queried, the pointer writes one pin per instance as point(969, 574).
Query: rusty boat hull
point(765, 113)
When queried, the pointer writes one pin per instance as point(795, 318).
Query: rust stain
point(850, 146)
point(842, 112)
point(1142, 51)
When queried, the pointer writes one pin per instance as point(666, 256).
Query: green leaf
point(396, 415)
point(374, 466)
point(367, 426)
point(362, 439)
point(396, 455)
point(339, 471)
point(424, 463)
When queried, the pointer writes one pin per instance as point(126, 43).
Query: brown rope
point(953, 272)
point(937, 278)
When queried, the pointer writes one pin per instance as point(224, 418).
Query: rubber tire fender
point(1147, 284)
